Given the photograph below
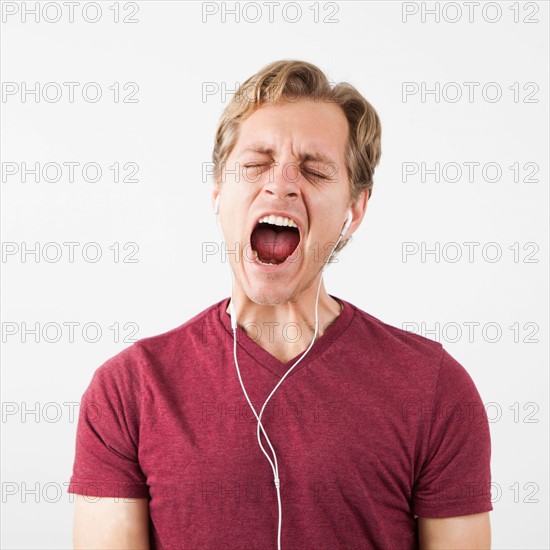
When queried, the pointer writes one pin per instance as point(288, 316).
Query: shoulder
point(416, 360)
point(406, 360)
point(146, 356)
point(386, 340)
point(183, 337)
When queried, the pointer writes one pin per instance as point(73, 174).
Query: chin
point(268, 295)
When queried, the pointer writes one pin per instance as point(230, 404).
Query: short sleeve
point(455, 476)
point(106, 455)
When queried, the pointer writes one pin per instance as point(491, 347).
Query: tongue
point(274, 246)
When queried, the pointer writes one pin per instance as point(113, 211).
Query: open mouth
point(274, 239)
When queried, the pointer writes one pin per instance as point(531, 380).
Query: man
point(376, 438)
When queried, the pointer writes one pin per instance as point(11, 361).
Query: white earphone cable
point(274, 464)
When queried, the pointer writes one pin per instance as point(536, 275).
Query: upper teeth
point(278, 220)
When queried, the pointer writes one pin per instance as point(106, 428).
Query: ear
point(214, 197)
point(358, 210)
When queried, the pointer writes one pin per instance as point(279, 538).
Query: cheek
point(326, 217)
point(329, 233)
point(237, 214)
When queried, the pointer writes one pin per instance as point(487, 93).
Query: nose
point(284, 180)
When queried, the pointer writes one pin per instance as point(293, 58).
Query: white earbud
point(217, 206)
point(348, 222)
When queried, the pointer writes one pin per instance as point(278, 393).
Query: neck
point(285, 329)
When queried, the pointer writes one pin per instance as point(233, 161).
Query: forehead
point(305, 127)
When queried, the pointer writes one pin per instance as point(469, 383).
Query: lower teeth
point(256, 257)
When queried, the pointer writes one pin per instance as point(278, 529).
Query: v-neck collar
point(258, 354)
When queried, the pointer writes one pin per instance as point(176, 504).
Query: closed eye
point(316, 174)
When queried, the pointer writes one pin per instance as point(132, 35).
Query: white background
point(172, 54)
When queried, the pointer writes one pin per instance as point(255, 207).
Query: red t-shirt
point(374, 427)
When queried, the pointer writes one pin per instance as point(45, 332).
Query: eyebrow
point(315, 156)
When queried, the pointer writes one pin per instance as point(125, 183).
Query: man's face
point(289, 161)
